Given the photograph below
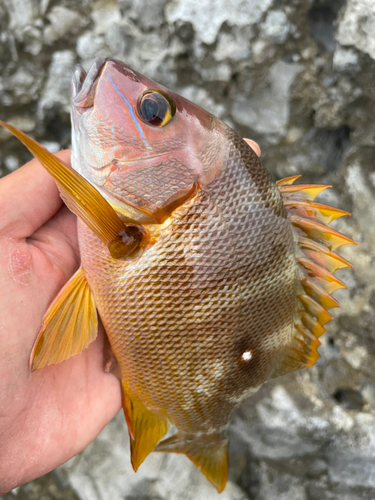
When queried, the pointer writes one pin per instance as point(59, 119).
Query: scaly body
point(220, 281)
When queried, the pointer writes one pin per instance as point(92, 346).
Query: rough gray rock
point(276, 26)
point(267, 111)
point(298, 77)
point(207, 16)
point(357, 26)
point(56, 91)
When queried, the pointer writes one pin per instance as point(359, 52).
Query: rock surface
point(298, 77)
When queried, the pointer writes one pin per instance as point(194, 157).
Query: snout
point(83, 84)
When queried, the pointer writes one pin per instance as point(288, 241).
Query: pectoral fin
point(69, 325)
point(146, 429)
point(84, 200)
point(209, 452)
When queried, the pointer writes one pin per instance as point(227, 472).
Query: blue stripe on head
point(131, 112)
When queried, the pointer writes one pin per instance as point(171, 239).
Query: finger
point(254, 146)
point(58, 239)
point(28, 199)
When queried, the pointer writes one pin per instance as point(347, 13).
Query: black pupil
point(154, 108)
point(149, 109)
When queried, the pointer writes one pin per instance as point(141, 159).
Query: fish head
point(140, 144)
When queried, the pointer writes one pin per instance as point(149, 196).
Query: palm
point(48, 417)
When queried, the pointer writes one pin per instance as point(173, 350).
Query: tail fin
point(317, 261)
point(209, 452)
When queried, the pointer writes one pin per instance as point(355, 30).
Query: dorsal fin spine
point(321, 255)
point(307, 208)
point(315, 309)
point(319, 294)
point(320, 232)
point(302, 191)
point(312, 324)
point(288, 180)
point(326, 279)
point(315, 245)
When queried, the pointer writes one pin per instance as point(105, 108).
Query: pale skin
point(49, 416)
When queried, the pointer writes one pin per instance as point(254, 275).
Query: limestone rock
point(207, 16)
point(357, 26)
point(267, 112)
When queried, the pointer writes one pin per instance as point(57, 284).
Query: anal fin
point(69, 325)
point(209, 452)
point(146, 428)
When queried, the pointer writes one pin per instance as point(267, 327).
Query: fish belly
point(201, 319)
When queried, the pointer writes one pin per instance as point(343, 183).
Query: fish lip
point(83, 83)
point(78, 77)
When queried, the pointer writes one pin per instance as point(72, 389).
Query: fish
point(209, 277)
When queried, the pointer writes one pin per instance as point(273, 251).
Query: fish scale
point(185, 304)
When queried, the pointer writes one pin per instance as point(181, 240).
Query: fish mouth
point(83, 84)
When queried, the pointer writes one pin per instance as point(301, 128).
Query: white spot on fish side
point(217, 368)
point(204, 385)
point(245, 395)
point(247, 355)
point(207, 380)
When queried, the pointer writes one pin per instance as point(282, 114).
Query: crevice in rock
point(322, 16)
point(334, 143)
point(349, 399)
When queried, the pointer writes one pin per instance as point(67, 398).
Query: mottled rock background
point(298, 77)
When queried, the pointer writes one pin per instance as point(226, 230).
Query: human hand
point(47, 417)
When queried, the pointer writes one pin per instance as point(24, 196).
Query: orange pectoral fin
point(84, 200)
point(146, 429)
point(208, 452)
point(69, 325)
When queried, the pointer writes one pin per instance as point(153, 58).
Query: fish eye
point(156, 108)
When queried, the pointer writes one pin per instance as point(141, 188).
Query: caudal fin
point(208, 452)
point(317, 261)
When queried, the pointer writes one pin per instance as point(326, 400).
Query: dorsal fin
point(316, 261)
